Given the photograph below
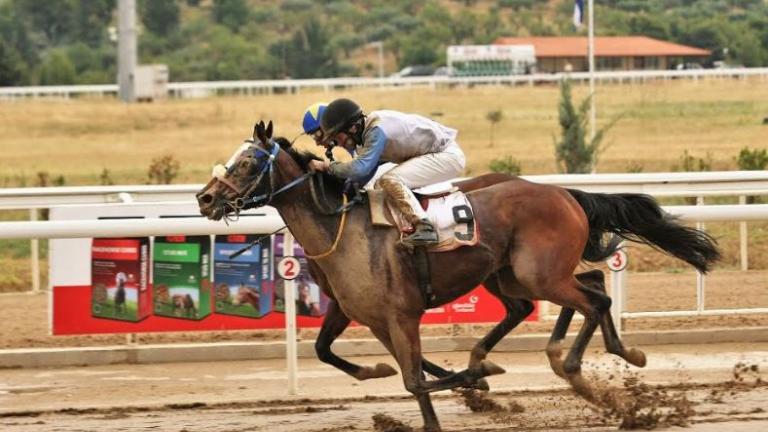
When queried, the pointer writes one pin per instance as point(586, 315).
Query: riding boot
point(424, 235)
point(402, 197)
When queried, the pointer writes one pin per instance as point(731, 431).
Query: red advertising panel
point(117, 265)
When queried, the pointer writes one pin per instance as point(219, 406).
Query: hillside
point(68, 41)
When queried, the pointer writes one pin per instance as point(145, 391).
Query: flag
point(578, 13)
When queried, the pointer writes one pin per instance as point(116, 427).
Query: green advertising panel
point(181, 276)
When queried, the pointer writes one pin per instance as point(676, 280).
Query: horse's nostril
point(206, 199)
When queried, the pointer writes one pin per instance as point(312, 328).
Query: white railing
point(268, 220)
point(204, 88)
point(701, 184)
point(693, 184)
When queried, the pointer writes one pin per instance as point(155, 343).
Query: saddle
point(447, 208)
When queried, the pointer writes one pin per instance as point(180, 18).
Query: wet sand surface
point(706, 387)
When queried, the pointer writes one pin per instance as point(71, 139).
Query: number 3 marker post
point(617, 263)
point(289, 268)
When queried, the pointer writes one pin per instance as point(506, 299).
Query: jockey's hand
point(319, 166)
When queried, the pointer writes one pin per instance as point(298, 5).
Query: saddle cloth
point(450, 213)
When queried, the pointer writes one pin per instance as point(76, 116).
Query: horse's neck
point(314, 231)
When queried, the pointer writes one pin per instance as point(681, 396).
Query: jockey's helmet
point(339, 115)
point(311, 120)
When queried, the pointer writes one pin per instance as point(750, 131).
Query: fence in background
point(699, 185)
point(208, 88)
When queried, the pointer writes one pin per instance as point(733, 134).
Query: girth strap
point(424, 276)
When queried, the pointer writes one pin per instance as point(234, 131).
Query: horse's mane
point(303, 157)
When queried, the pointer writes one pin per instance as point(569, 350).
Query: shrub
point(163, 170)
point(689, 163)
point(752, 160)
point(507, 165)
point(105, 178)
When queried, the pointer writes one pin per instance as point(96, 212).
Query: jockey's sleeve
point(362, 168)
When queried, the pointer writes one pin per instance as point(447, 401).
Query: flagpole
point(591, 52)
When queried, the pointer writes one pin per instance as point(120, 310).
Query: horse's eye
point(245, 163)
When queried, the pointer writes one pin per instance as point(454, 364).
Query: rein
point(338, 233)
point(247, 201)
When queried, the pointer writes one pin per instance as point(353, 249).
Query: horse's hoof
point(581, 386)
point(383, 370)
point(636, 357)
point(489, 368)
point(481, 384)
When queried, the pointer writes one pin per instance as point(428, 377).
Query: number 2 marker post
point(288, 268)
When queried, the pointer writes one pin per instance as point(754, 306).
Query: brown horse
point(532, 238)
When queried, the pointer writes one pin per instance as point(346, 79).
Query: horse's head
point(252, 176)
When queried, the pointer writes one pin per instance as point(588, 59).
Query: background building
point(559, 54)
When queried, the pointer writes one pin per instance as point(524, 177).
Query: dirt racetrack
point(713, 387)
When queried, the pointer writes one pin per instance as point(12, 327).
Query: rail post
point(290, 321)
point(744, 258)
point(34, 252)
point(700, 278)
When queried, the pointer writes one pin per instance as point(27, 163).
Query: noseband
point(246, 200)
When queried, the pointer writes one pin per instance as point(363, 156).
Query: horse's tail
point(638, 218)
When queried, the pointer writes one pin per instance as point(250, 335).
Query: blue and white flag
point(578, 13)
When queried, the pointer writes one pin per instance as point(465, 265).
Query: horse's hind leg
point(593, 304)
point(334, 324)
point(555, 345)
point(596, 280)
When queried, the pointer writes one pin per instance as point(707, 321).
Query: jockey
point(311, 121)
point(426, 152)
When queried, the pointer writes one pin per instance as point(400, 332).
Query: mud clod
point(479, 402)
point(385, 423)
point(637, 405)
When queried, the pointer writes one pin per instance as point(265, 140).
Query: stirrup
point(425, 235)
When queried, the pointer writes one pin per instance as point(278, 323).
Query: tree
point(573, 153)
point(90, 20)
point(308, 53)
point(160, 16)
point(57, 70)
point(53, 18)
point(232, 14)
point(10, 65)
point(493, 117)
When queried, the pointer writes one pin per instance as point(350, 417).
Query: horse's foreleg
point(405, 344)
point(334, 324)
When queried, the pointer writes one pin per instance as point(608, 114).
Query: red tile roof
point(605, 46)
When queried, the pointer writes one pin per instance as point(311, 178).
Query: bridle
point(245, 199)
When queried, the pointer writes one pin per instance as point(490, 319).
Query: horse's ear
point(269, 129)
point(259, 132)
